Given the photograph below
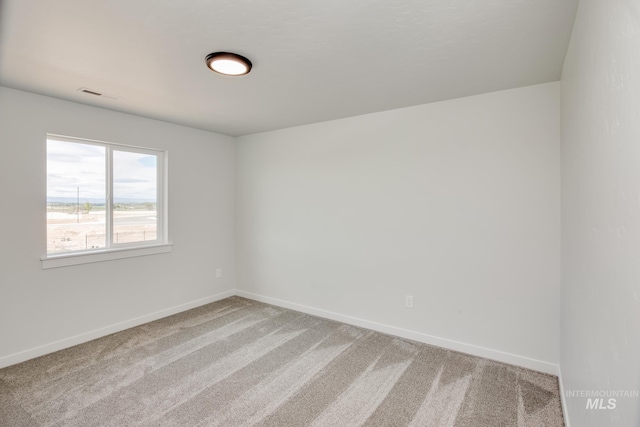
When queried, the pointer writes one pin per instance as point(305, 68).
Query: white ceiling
point(314, 60)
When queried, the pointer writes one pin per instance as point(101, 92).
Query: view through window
point(102, 196)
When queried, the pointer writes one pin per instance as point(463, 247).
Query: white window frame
point(112, 250)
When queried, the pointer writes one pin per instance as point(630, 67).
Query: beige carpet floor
point(238, 362)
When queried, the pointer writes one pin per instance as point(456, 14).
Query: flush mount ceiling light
point(229, 64)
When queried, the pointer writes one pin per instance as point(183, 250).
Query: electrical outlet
point(218, 273)
point(408, 301)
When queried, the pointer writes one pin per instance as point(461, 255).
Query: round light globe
point(229, 64)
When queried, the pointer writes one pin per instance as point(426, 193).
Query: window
point(103, 197)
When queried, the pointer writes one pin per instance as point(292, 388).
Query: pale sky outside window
point(72, 166)
point(134, 176)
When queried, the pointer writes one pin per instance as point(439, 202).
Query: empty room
point(320, 213)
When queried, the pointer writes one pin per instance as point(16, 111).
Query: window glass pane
point(134, 197)
point(76, 196)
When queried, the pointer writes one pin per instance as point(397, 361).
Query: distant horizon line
point(97, 201)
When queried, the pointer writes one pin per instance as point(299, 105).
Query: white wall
point(600, 335)
point(456, 203)
point(39, 307)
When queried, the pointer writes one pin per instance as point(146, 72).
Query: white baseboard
point(22, 356)
point(475, 350)
point(563, 399)
point(487, 353)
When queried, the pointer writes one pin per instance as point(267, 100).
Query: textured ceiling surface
point(314, 60)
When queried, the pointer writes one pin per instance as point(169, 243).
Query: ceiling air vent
point(96, 93)
point(90, 92)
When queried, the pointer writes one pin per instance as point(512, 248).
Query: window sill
point(65, 260)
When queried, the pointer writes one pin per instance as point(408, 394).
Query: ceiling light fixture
point(229, 64)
